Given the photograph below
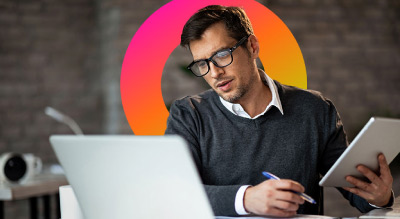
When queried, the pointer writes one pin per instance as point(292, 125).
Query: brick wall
point(48, 52)
point(68, 54)
point(47, 58)
point(352, 52)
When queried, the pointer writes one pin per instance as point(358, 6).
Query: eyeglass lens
point(220, 59)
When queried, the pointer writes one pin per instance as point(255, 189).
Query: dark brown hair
point(235, 19)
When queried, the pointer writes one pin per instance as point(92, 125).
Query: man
point(248, 123)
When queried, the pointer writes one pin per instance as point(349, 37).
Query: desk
point(394, 212)
point(42, 185)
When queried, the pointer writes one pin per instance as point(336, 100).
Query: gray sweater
point(231, 151)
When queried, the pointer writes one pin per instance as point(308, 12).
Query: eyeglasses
point(220, 59)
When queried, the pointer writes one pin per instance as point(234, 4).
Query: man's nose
point(215, 71)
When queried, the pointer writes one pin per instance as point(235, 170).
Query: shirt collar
point(237, 109)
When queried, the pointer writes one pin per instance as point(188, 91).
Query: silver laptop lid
point(132, 176)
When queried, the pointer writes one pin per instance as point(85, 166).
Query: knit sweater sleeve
point(181, 121)
point(335, 142)
point(185, 121)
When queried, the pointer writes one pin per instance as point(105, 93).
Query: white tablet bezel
point(379, 135)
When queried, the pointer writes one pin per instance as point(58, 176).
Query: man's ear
point(253, 46)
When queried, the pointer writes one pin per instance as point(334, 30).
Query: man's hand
point(272, 197)
point(379, 191)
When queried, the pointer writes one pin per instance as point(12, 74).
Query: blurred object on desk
point(18, 168)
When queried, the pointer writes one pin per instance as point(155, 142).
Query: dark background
point(68, 54)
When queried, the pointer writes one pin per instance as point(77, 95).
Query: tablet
point(379, 135)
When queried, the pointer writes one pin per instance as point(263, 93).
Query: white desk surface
point(393, 212)
point(299, 216)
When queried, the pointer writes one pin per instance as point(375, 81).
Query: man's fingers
point(373, 178)
point(273, 197)
point(359, 184)
point(285, 205)
point(359, 192)
point(289, 196)
point(285, 184)
point(384, 169)
point(378, 192)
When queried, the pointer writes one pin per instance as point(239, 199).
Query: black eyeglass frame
point(210, 59)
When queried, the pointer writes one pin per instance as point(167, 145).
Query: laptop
point(132, 176)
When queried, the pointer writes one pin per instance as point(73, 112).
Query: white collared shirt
point(238, 110)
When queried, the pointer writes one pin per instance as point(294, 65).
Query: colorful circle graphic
point(160, 34)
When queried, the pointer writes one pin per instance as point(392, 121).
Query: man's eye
point(222, 54)
point(202, 64)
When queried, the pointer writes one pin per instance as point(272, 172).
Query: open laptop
point(132, 176)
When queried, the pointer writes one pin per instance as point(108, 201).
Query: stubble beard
point(241, 91)
point(233, 98)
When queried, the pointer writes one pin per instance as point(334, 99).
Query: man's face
point(232, 82)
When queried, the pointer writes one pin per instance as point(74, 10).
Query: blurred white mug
point(34, 164)
point(18, 168)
